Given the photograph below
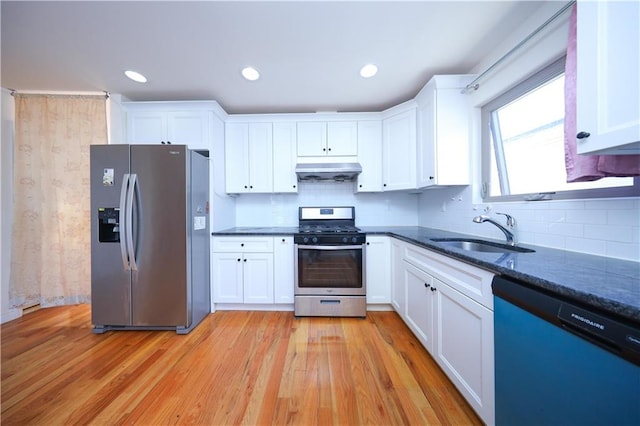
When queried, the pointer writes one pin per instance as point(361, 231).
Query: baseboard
point(10, 315)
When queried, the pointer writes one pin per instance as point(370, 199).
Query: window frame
point(535, 80)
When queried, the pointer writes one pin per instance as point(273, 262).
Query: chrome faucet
point(509, 231)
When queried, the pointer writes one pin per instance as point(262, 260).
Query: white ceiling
point(308, 52)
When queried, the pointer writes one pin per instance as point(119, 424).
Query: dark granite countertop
point(607, 284)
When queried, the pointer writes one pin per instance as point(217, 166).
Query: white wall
point(602, 227)
point(372, 209)
point(6, 204)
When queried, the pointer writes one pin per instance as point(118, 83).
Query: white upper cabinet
point(318, 138)
point(187, 123)
point(443, 132)
point(399, 150)
point(284, 157)
point(370, 156)
point(608, 97)
point(249, 157)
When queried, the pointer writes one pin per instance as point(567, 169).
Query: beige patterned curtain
point(51, 244)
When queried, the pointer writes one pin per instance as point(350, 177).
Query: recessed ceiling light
point(136, 76)
point(250, 73)
point(368, 70)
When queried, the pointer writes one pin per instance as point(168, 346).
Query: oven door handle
point(305, 247)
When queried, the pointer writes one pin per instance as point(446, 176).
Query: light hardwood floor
point(235, 368)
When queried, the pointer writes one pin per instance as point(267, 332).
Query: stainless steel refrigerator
point(149, 237)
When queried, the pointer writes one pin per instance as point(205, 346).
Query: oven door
point(329, 270)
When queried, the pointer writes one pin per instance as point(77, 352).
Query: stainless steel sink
point(480, 245)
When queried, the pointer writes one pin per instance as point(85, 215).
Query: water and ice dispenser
point(108, 225)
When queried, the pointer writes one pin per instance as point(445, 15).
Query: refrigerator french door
point(150, 237)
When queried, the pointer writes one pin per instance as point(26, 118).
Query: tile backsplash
point(372, 209)
point(601, 227)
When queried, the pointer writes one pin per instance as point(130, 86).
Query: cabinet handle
point(245, 260)
point(324, 149)
point(430, 177)
point(368, 243)
point(245, 187)
point(283, 240)
point(251, 186)
point(294, 186)
point(433, 289)
point(241, 244)
point(583, 135)
point(238, 260)
point(329, 149)
point(384, 184)
point(427, 285)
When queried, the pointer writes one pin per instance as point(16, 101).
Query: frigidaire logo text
point(587, 321)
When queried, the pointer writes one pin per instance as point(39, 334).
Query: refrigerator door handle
point(133, 183)
point(123, 222)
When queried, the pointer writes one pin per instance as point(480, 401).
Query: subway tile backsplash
point(601, 227)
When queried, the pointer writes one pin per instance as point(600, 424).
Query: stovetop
point(327, 229)
point(328, 226)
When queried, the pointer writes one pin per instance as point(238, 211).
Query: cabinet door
point(378, 269)
point(398, 295)
point(370, 156)
point(236, 147)
point(426, 167)
point(284, 158)
point(283, 269)
point(146, 127)
point(464, 347)
point(260, 157)
point(312, 139)
point(258, 277)
point(227, 277)
point(608, 84)
point(420, 313)
point(342, 138)
point(399, 151)
point(189, 127)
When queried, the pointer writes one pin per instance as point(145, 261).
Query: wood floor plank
point(235, 368)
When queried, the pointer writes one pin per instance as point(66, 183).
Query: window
point(523, 145)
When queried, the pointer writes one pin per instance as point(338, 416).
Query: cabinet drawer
point(471, 281)
point(243, 244)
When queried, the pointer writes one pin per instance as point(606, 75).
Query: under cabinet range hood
point(339, 172)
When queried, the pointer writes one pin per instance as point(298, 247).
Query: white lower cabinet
point(419, 315)
point(243, 270)
point(378, 269)
point(463, 347)
point(398, 293)
point(227, 278)
point(283, 269)
point(243, 277)
point(444, 302)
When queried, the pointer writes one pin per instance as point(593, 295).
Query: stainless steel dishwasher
point(559, 363)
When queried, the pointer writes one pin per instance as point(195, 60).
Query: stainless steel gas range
point(330, 260)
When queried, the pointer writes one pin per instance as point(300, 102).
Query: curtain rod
point(57, 93)
point(474, 85)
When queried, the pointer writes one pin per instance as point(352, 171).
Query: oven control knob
point(305, 240)
point(345, 239)
point(314, 240)
point(354, 239)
